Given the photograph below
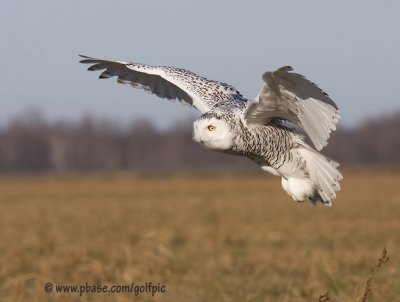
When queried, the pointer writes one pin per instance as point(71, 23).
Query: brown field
point(207, 238)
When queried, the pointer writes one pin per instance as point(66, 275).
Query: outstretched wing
point(289, 96)
point(167, 82)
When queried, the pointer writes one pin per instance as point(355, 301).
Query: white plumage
point(258, 129)
point(291, 97)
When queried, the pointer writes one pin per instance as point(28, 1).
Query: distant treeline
point(30, 143)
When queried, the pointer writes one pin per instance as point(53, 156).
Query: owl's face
point(214, 133)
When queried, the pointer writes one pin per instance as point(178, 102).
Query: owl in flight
point(264, 129)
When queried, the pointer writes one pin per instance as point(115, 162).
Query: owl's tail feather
point(324, 175)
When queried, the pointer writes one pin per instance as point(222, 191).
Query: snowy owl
point(264, 129)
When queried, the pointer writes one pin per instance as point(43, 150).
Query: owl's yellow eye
point(211, 128)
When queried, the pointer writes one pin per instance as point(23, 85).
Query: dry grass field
point(207, 238)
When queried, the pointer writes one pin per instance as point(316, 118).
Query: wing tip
point(286, 68)
point(87, 59)
point(106, 74)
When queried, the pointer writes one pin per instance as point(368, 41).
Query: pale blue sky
point(350, 48)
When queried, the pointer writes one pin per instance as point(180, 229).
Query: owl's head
point(212, 131)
